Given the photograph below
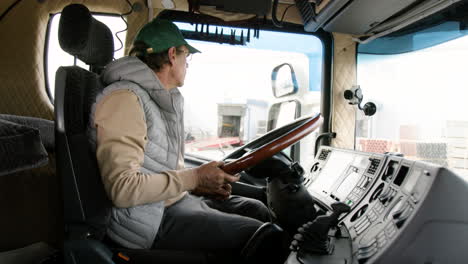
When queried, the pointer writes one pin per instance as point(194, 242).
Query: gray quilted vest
point(136, 227)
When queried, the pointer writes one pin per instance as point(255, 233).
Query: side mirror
point(283, 80)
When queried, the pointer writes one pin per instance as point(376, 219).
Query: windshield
point(228, 89)
point(421, 101)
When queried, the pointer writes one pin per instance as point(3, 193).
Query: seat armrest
point(85, 251)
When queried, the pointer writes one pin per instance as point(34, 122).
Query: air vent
point(324, 154)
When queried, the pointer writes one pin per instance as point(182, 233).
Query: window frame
point(46, 48)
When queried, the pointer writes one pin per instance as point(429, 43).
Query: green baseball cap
point(160, 35)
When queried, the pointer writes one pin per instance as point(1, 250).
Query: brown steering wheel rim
point(300, 128)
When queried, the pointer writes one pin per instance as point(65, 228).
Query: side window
point(56, 57)
point(229, 99)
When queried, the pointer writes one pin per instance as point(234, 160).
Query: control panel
point(399, 211)
point(390, 203)
point(340, 175)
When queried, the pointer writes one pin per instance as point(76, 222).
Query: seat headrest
point(85, 37)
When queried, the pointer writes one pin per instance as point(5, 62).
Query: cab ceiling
point(354, 17)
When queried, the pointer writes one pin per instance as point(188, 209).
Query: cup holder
point(359, 213)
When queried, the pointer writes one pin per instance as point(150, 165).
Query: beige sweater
point(121, 140)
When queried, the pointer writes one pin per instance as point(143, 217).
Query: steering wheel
point(270, 144)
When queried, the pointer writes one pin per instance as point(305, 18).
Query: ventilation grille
point(324, 154)
point(373, 166)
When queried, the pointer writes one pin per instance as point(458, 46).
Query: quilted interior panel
point(134, 25)
point(344, 77)
point(33, 195)
point(22, 80)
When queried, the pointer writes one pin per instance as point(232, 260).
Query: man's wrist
point(189, 178)
point(194, 177)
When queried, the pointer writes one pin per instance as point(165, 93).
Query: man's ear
point(171, 53)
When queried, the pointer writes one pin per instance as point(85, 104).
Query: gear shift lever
point(313, 236)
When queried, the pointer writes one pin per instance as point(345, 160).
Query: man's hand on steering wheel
point(212, 181)
point(214, 178)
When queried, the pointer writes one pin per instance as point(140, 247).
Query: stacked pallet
point(457, 140)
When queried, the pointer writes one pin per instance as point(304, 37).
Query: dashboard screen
point(339, 175)
point(351, 179)
point(334, 168)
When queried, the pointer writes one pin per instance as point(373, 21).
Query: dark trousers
point(201, 223)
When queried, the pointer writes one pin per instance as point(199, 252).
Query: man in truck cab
point(137, 125)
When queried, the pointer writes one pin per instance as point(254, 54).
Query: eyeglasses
point(188, 55)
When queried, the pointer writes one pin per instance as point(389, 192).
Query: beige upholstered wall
point(135, 22)
point(23, 32)
point(344, 76)
point(32, 198)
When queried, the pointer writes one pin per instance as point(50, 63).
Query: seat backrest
point(85, 202)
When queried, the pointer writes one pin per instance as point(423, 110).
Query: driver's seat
point(86, 205)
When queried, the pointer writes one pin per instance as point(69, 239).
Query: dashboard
point(401, 211)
